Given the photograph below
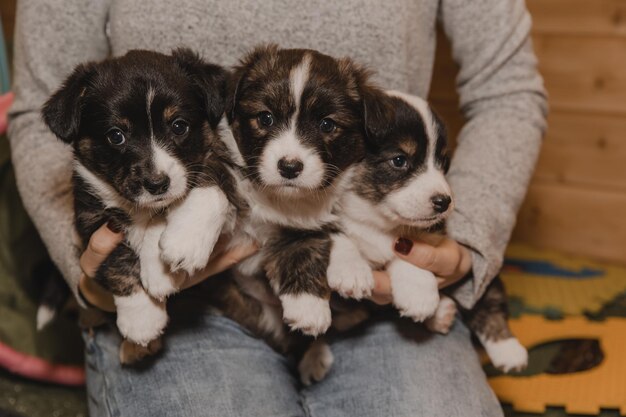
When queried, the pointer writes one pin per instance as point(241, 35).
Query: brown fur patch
point(356, 76)
point(170, 111)
point(408, 146)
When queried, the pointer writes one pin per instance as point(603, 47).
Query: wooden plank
point(577, 220)
point(584, 149)
point(452, 118)
point(443, 84)
point(580, 74)
point(584, 73)
point(579, 17)
point(7, 11)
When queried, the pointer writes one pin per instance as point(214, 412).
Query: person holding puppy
point(211, 365)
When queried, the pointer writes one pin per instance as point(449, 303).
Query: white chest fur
point(414, 290)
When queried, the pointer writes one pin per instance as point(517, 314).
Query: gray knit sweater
point(501, 92)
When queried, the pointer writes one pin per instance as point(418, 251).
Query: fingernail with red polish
point(114, 226)
point(403, 246)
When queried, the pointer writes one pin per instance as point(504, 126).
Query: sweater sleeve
point(51, 38)
point(503, 100)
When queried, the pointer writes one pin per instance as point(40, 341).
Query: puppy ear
point(376, 106)
point(357, 78)
point(378, 111)
point(442, 151)
point(62, 111)
point(233, 93)
point(209, 79)
point(263, 58)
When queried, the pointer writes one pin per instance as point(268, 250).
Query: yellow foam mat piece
point(569, 296)
point(586, 392)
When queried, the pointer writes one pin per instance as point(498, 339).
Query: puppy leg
point(316, 362)
point(140, 318)
point(489, 321)
point(296, 266)
point(193, 228)
point(156, 277)
point(305, 312)
point(442, 320)
point(131, 352)
point(348, 273)
point(415, 292)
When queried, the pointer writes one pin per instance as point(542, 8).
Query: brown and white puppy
point(297, 120)
point(399, 189)
point(148, 159)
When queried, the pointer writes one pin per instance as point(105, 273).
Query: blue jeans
point(212, 367)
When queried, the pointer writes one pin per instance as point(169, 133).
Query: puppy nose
point(157, 184)
point(290, 168)
point(441, 202)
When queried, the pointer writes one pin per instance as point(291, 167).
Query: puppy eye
point(116, 137)
point(180, 127)
point(266, 118)
point(328, 125)
point(399, 161)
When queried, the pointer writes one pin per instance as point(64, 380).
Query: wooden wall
point(577, 200)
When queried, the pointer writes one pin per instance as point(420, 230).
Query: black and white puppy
point(399, 189)
point(148, 159)
point(296, 118)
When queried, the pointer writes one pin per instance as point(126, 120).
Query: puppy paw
point(415, 292)
point(131, 352)
point(193, 228)
point(507, 355)
point(315, 363)
point(155, 275)
point(307, 313)
point(351, 279)
point(348, 273)
point(158, 281)
point(186, 251)
point(442, 320)
point(140, 318)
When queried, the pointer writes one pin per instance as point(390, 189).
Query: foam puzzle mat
point(584, 392)
point(548, 282)
point(563, 299)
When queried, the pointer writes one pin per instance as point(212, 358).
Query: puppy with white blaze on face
point(296, 119)
point(147, 158)
point(399, 189)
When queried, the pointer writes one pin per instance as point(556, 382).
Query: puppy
point(399, 189)
point(148, 160)
point(297, 125)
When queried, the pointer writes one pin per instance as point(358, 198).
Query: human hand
point(444, 257)
point(104, 240)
